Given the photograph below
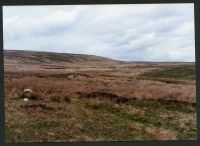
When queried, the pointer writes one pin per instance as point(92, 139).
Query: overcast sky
point(159, 32)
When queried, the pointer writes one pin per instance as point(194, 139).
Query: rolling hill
point(34, 57)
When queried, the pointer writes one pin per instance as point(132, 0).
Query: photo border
point(100, 143)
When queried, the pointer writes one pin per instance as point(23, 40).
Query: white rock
point(28, 90)
point(26, 99)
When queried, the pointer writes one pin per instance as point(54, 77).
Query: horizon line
point(137, 61)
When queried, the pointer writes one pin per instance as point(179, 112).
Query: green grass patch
point(94, 120)
point(176, 73)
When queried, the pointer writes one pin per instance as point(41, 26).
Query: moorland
point(80, 97)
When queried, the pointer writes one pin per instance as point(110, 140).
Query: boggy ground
point(132, 102)
point(80, 97)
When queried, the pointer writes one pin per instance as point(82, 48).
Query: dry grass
point(155, 110)
point(142, 89)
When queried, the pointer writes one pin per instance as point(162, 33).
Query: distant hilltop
point(50, 57)
point(39, 57)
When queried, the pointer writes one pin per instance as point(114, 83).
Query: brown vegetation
point(96, 101)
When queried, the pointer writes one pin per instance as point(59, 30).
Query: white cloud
point(159, 32)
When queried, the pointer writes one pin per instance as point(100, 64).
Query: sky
point(130, 32)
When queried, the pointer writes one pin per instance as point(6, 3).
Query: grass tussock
point(58, 97)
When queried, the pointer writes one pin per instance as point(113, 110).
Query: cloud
point(153, 32)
